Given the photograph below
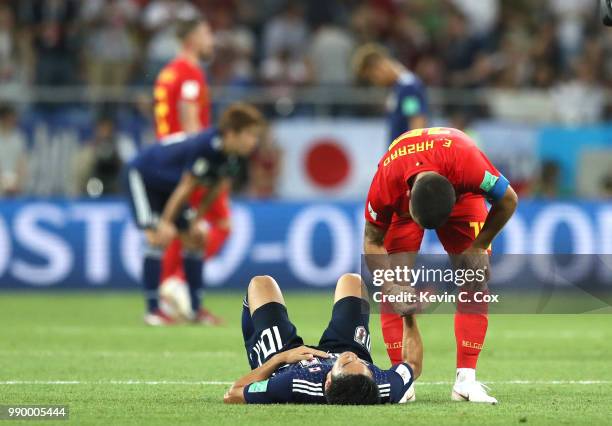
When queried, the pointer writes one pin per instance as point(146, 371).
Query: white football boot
point(468, 389)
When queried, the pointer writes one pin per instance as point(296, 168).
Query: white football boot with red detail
point(158, 318)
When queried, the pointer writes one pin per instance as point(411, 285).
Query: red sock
point(215, 239)
point(393, 331)
point(172, 264)
point(471, 321)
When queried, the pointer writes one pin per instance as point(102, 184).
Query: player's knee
point(351, 280)
point(349, 285)
point(263, 289)
point(262, 282)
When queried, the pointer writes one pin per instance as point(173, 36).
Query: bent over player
point(160, 181)
point(183, 105)
point(438, 179)
point(339, 370)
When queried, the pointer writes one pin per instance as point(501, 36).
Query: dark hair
point(239, 116)
point(431, 200)
point(184, 27)
point(352, 389)
point(367, 56)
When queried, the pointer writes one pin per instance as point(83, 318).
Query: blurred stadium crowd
point(554, 50)
point(449, 43)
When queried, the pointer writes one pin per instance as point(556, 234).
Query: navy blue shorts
point(348, 330)
point(147, 204)
point(273, 333)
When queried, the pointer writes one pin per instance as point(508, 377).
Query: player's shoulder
point(409, 80)
point(395, 383)
point(460, 138)
point(304, 382)
point(308, 389)
point(205, 138)
point(188, 69)
point(179, 69)
point(404, 371)
point(170, 73)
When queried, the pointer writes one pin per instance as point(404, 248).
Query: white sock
point(465, 374)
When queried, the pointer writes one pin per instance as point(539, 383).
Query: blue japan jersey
point(162, 164)
point(303, 383)
point(407, 100)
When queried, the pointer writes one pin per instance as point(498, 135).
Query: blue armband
point(498, 190)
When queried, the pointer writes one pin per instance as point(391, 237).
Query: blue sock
point(247, 322)
point(151, 273)
point(192, 264)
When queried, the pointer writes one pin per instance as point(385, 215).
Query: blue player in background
point(339, 370)
point(407, 104)
point(161, 179)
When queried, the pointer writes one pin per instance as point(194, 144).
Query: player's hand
point(400, 292)
point(165, 233)
point(199, 231)
point(300, 354)
point(475, 259)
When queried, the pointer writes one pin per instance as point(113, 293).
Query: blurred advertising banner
point(329, 158)
point(582, 156)
point(63, 244)
point(336, 158)
point(512, 148)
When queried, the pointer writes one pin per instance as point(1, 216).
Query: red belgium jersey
point(448, 152)
point(179, 81)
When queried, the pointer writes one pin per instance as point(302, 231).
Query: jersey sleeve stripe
point(300, 386)
point(308, 392)
point(306, 382)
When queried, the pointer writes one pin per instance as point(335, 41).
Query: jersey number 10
point(268, 344)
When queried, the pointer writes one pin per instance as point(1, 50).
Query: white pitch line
point(112, 382)
point(105, 354)
point(222, 383)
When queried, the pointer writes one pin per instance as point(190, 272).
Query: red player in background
point(438, 179)
point(183, 105)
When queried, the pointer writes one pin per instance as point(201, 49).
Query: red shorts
point(219, 209)
point(456, 235)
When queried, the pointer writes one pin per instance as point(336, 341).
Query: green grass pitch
point(116, 371)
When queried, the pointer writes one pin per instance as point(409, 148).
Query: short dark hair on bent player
point(352, 389)
point(239, 116)
point(184, 27)
point(431, 200)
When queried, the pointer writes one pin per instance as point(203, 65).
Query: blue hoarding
point(66, 244)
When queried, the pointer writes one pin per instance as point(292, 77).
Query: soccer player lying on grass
point(339, 370)
point(438, 179)
point(160, 181)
